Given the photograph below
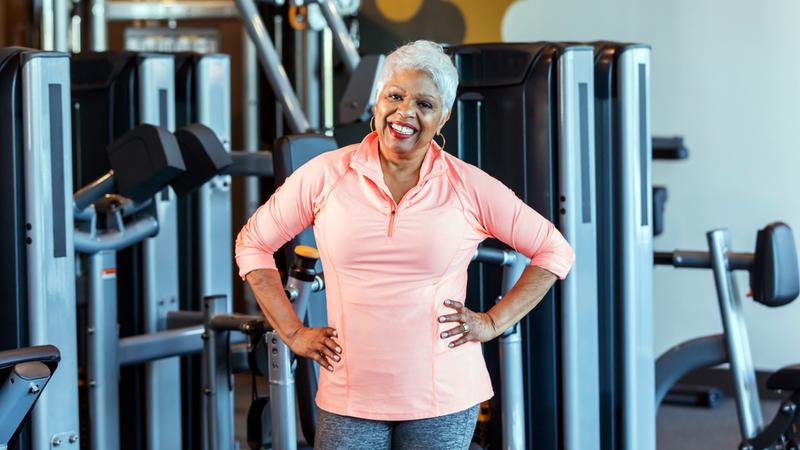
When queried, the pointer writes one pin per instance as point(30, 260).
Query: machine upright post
point(156, 76)
point(281, 392)
point(102, 337)
point(98, 37)
point(50, 250)
point(736, 339)
point(579, 305)
point(217, 377)
point(511, 382)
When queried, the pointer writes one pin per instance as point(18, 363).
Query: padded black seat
point(47, 354)
point(786, 379)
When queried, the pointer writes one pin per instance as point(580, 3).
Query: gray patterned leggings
point(450, 432)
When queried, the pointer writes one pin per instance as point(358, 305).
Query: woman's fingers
point(461, 329)
point(453, 304)
point(459, 317)
point(458, 341)
point(332, 345)
point(321, 359)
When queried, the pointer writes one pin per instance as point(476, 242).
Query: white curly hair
point(428, 57)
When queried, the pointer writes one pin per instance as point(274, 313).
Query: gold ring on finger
point(466, 328)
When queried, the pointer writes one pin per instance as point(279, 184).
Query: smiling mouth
point(401, 129)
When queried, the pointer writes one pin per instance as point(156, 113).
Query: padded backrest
point(774, 278)
point(294, 150)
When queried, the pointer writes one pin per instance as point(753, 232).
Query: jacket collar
point(366, 160)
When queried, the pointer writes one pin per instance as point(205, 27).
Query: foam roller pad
point(204, 155)
point(145, 160)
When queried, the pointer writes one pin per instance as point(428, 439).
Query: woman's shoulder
point(468, 176)
point(331, 163)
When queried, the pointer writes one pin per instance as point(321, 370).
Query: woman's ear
point(445, 118)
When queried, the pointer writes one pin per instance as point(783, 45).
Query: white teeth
point(402, 130)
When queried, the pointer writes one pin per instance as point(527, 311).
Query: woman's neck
point(401, 165)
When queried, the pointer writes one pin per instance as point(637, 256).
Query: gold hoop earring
point(372, 123)
point(444, 141)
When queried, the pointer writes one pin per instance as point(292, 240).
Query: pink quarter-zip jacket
point(390, 267)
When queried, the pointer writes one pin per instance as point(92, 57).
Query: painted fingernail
point(330, 368)
point(443, 335)
point(339, 349)
point(441, 319)
point(336, 357)
point(451, 345)
point(448, 301)
point(335, 334)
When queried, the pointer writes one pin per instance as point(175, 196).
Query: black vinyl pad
point(145, 160)
point(203, 155)
point(787, 379)
point(774, 278)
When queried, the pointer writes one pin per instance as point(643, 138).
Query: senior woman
point(397, 221)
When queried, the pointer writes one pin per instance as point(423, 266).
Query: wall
point(725, 76)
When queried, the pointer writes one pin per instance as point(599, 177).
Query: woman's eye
point(426, 105)
point(395, 97)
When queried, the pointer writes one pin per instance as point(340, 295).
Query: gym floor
point(692, 428)
point(679, 427)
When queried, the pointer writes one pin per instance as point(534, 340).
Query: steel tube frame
point(50, 252)
point(156, 79)
point(102, 338)
point(217, 379)
point(163, 344)
point(736, 339)
point(271, 63)
point(341, 36)
point(579, 308)
point(511, 383)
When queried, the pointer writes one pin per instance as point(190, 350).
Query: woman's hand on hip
point(316, 344)
point(470, 326)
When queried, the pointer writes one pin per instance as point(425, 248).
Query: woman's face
point(409, 112)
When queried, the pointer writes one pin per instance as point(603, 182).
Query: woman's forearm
point(522, 298)
point(268, 289)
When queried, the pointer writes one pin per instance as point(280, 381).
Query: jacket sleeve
point(289, 210)
point(503, 215)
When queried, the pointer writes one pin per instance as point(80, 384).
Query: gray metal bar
point(47, 27)
point(341, 36)
point(511, 382)
point(252, 191)
point(50, 251)
point(98, 28)
point(307, 84)
point(114, 239)
point(61, 13)
point(579, 315)
point(94, 191)
point(183, 10)
point(251, 164)
point(184, 319)
point(217, 379)
point(327, 82)
point(163, 344)
point(281, 393)
point(102, 339)
point(18, 392)
point(672, 365)
point(736, 339)
point(687, 259)
point(156, 76)
point(636, 287)
point(271, 63)
point(244, 323)
point(215, 234)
